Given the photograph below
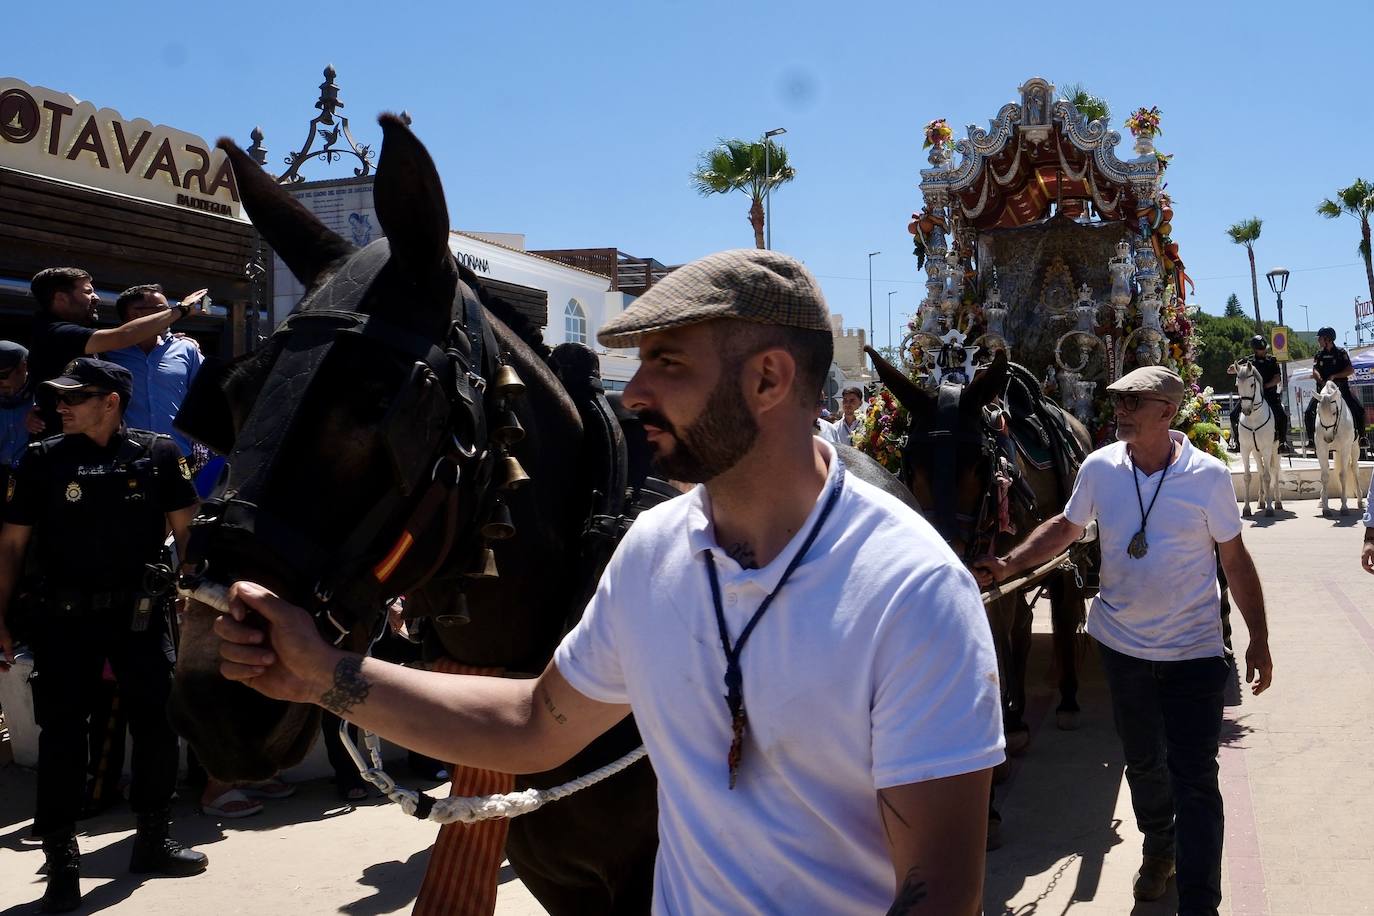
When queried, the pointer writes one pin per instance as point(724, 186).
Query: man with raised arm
point(1161, 505)
point(809, 664)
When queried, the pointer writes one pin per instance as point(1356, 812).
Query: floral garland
point(1144, 122)
point(883, 430)
point(938, 133)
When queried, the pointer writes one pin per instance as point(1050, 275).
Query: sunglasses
point(1132, 402)
point(73, 398)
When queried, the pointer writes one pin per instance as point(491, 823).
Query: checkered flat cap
point(749, 284)
point(1155, 381)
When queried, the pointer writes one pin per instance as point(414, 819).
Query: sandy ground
point(1293, 771)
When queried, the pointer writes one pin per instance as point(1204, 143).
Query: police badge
point(185, 468)
point(73, 492)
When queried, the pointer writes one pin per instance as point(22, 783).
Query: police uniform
point(98, 518)
point(14, 412)
point(1326, 364)
point(1268, 368)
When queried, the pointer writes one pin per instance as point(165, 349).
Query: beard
point(714, 442)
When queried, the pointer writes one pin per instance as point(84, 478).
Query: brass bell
point(507, 430)
point(457, 615)
point(507, 382)
point(499, 526)
point(513, 475)
point(485, 566)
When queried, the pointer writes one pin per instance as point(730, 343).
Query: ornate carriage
point(1040, 240)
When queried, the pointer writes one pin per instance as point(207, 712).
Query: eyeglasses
point(73, 398)
point(1131, 402)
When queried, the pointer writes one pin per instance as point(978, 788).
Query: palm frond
point(1246, 232)
point(1329, 209)
point(1092, 107)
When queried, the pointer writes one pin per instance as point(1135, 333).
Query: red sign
point(1363, 309)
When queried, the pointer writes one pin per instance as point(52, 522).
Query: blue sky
point(578, 124)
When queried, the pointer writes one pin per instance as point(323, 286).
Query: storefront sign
point(54, 135)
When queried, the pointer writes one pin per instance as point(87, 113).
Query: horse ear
point(987, 385)
point(410, 201)
point(298, 238)
point(911, 396)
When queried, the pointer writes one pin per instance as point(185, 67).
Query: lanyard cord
point(734, 672)
point(1140, 501)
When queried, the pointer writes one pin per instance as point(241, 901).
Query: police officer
point(1268, 368)
point(1332, 364)
point(97, 501)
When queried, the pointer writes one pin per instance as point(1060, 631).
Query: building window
point(574, 323)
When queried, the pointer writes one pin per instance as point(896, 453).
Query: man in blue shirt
point(162, 366)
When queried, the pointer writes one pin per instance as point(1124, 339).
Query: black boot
point(63, 893)
point(157, 853)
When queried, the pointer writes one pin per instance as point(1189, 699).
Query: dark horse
point(379, 446)
point(960, 440)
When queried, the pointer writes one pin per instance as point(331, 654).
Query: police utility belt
point(155, 597)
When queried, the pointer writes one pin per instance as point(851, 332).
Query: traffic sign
point(1279, 344)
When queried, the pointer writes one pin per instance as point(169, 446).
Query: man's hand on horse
point(990, 570)
point(286, 659)
point(1259, 667)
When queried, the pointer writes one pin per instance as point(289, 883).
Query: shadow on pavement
point(395, 884)
point(1059, 809)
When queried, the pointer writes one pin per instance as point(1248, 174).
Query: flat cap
point(750, 284)
point(89, 372)
point(1150, 380)
point(11, 354)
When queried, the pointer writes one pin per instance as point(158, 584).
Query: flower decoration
point(1144, 122)
point(938, 133)
point(883, 431)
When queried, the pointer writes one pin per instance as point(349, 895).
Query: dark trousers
point(1309, 416)
point(69, 656)
point(1168, 716)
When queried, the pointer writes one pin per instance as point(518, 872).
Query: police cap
point(89, 372)
point(1328, 333)
point(1258, 341)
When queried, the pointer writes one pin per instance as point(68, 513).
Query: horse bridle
point(992, 437)
point(436, 437)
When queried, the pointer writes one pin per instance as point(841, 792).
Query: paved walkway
point(1294, 771)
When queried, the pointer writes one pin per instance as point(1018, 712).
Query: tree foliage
point(1225, 339)
point(747, 166)
point(1233, 307)
point(1092, 107)
point(1247, 232)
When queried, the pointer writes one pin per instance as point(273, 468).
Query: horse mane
point(509, 315)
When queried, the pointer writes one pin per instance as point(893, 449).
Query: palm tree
point(1247, 232)
point(1091, 107)
point(738, 165)
point(1358, 201)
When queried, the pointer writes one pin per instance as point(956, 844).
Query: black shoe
point(1284, 449)
point(157, 853)
point(1233, 446)
point(1153, 878)
point(63, 867)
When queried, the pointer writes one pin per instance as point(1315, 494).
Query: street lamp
point(768, 184)
point(871, 255)
point(1278, 282)
point(890, 294)
point(1306, 318)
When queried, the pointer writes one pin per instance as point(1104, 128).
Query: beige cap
point(1150, 380)
point(750, 284)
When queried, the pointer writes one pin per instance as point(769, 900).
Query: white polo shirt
point(873, 668)
point(1165, 606)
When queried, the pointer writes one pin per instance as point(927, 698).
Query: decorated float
point(1035, 237)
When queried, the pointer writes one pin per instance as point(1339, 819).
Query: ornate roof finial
point(257, 152)
point(328, 104)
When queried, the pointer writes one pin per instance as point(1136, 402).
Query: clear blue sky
point(578, 124)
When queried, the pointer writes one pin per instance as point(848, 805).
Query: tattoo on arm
point(350, 687)
point(912, 892)
point(743, 554)
point(553, 710)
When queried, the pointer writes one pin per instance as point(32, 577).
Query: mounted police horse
point(968, 466)
point(404, 433)
point(1257, 437)
point(1337, 432)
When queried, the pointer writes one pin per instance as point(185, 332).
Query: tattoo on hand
point(743, 554)
point(350, 687)
point(553, 710)
point(912, 892)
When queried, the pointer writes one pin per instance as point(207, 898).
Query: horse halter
point(435, 436)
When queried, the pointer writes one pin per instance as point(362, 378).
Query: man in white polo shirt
point(1160, 506)
point(809, 664)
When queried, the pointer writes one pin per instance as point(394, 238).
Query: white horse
point(1257, 437)
point(1336, 432)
